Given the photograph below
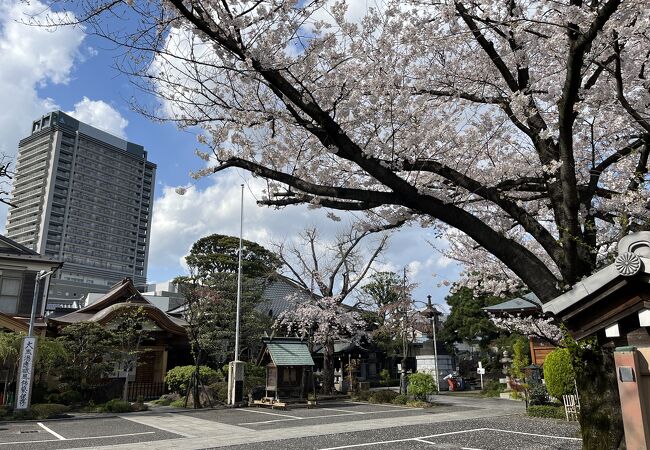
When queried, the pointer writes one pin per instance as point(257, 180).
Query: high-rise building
point(83, 196)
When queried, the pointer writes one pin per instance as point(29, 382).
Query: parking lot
point(325, 413)
point(470, 424)
point(55, 434)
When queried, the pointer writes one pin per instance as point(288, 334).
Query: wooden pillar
point(163, 369)
point(632, 376)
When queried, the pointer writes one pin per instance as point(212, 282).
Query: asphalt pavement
point(454, 423)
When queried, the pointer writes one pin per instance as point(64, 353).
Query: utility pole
point(403, 382)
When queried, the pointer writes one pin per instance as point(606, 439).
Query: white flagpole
point(241, 229)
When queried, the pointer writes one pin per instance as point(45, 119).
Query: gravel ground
point(503, 433)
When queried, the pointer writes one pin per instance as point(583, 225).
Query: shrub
point(492, 389)
point(48, 410)
point(166, 399)
point(70, 397)
point(401, 399)
point(383, 396)
point(219, 391)
point(362, 396)
point(547, 411)
point(558, 373)
point(537, 394)
point(418, 404)
point(421, 384)
point(178, 378)
point(251, 382)
point(117, 406)
point(384, 374)
point(5, 410)
point(180, 403)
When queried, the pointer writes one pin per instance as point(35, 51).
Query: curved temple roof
point(122, 295)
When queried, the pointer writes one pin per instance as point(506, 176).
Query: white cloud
point(31, 57)
point(179, 220)
point(101, 115)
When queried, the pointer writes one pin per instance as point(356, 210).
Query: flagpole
point(241, 230)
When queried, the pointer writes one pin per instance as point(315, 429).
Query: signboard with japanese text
point(25, 373)
point(271, 378)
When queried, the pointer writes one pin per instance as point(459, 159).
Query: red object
point(453, 386)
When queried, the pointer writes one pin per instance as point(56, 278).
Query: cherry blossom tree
point(323, 321)
point(517, 128)
point(333, 269)
point(530, 325)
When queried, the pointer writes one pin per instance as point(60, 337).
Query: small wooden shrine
point(289, 370)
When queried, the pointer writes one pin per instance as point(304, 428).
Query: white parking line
point(345, 410)
point(424, 438)
point(535, 434)
point(78, 438)
point(381, 404)
point(348, 413)
point(272, 413)
point(53, 433)
point(423, 441)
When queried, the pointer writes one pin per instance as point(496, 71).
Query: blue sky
point(78, 78)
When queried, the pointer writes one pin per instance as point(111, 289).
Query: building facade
point(84, 197)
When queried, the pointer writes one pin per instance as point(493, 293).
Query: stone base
point(506, 395)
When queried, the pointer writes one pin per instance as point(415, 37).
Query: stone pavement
point(201, 433)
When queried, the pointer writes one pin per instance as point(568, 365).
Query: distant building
point(83, 196)
point(166, 295)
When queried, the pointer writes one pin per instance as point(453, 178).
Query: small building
point(613, 305)
point(289, 368)
point(425, 360)
point(165, 346)
point(19, 267)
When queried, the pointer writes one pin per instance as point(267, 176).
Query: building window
point(9, 293)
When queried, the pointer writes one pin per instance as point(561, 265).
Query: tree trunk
point(402, 376)
point(328, 367)
point(195, 387)
point(601, 421)
point(125, 389)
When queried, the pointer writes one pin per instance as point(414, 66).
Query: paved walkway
point(224, 428)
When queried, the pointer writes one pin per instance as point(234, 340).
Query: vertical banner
point(25, 373)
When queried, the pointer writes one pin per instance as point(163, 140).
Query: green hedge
point(401, 399)
point(383, 396)
point(117, 406)
point(559, 374)
point(547, 411)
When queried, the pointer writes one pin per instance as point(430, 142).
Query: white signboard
point(480, 371)
point(25, 373)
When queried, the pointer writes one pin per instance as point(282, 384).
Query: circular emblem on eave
point(628, 264)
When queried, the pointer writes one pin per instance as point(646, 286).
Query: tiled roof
point(281, 294)
point(289, 352)
point(528, 302)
